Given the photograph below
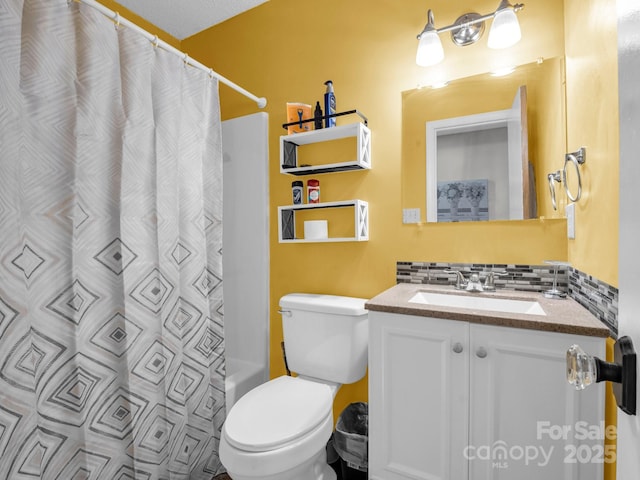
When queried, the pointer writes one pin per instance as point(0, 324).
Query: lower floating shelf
point(287, 221)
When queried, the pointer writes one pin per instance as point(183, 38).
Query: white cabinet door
point(418, 397)
point(524, 416)
point(451, 401)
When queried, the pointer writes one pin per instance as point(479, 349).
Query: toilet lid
point(277, 412)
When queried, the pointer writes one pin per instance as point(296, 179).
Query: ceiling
point(184, 18)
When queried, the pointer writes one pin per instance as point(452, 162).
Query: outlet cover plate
point(570, 213)
point(410, 215)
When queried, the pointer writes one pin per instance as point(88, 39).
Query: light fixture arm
point(429, 27)
point(504, 4)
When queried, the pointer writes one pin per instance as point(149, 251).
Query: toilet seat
point(278, 463)
point(278, 413)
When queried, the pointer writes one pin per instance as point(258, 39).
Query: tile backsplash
point(531, 278)
point(596, 296)
point(600, 298)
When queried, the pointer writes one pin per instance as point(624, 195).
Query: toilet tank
point(325, 336)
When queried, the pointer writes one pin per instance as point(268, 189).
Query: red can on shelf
point(313, 190)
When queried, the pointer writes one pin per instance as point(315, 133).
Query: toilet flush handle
point(285, 313)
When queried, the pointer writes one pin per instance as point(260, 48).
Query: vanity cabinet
point(455, 400)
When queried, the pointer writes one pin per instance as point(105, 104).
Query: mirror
point(432, 110)
point(477, 166)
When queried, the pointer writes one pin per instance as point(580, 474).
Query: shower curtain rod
point(118, 20)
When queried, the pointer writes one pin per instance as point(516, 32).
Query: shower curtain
point(111, 313)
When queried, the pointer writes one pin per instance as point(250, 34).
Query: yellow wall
point(369, 54)
point(592, 107)
point(592, 122)
point(285, 50)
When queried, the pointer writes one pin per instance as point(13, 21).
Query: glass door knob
point(581, 368)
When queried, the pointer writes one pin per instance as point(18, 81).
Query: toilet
point(280, 429)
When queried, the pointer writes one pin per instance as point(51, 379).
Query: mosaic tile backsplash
point(600, 298)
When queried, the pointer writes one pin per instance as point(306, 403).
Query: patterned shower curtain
point(111, 331)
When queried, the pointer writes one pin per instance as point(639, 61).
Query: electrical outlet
point(570, 213)
point(410, 215)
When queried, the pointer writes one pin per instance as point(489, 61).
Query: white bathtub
point(242, 376)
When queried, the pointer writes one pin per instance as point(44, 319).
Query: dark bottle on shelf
point(317, 115)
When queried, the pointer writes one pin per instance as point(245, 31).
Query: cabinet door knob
point(481, 352)
point(457, 347)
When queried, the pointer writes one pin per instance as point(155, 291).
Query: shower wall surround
point(600, 298)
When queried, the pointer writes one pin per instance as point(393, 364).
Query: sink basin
point(475, 302)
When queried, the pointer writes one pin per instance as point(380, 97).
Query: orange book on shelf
point(296, 112)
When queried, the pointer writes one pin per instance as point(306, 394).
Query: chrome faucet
point(474, 284)
point(461, 282)
point(489, 280)
point(471, 285)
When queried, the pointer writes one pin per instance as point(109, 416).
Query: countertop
point(562, 315)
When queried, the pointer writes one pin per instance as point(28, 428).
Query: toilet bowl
point(279, 430)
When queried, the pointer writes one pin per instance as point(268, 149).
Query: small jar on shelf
point(313, 190)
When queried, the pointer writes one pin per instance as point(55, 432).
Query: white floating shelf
point(289, 149)
point(287, 223)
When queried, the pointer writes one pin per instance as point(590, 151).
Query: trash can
point(351, 441)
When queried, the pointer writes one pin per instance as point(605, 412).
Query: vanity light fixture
point(467, 30)
point(430, 49)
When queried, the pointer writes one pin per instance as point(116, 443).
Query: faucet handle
point(489, 280)
point(461, 282)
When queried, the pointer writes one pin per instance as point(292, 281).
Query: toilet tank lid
point(334, 304)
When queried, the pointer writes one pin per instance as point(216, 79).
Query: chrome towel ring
point(554, 177)
point(576, 159)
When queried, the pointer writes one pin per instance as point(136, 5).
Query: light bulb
point(430, 49)
point(505, 29)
